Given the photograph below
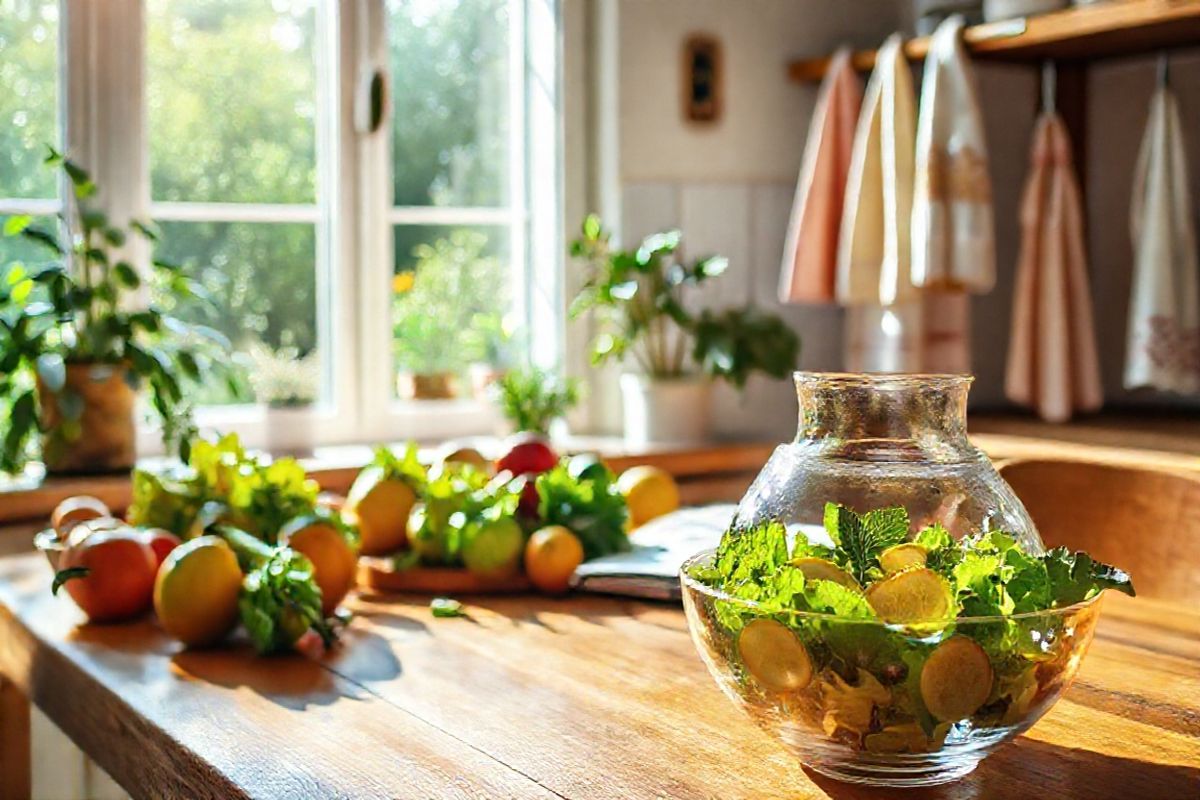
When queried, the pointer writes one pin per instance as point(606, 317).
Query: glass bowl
point(870, 702)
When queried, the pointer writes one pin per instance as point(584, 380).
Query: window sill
point(707, 471)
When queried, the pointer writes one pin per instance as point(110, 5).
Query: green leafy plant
point(446, 312)
point(81, 306)
point(533, 398)
point(639, 296)
point(582, 496)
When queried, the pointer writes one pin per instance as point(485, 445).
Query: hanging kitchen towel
point(953, 245)
point(1164, 307)
point(1052, 363)
point(874, 248)
point(810, 250)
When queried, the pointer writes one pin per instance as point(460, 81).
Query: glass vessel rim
point(701, 588)
point(881, 380)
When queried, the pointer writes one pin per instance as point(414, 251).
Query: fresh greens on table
point(582, 495)
point(887, 639)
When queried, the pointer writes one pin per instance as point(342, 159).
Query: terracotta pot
point(432, 386)
point(90, 425)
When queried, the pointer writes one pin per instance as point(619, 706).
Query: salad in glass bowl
point(885, 653)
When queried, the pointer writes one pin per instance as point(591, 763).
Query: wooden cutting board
point(380, 575)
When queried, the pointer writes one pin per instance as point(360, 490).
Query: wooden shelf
point(1118, 28)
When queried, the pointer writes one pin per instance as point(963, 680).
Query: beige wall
point(729, 187)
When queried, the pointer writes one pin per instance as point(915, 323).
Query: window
point(28, 115)
point(421, 240)
point(231, 99)
point(457, 215)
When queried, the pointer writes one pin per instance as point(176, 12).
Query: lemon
point(196, 591)
point(649, 492)
point(901, 557)
point(381, 505)
point(956, 679)
point(774, 656)
point(820, 569)
point(915, 595)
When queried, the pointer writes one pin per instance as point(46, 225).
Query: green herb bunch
point(582, 496)
point(533, 398)
point(82, 305)
point(639, 296)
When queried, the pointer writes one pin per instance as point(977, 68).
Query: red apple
point(161, 542)
point(527, 453)
point(527, 506)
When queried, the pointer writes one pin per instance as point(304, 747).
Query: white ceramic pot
point(995, 10)
point(674, 410)
point(291, 430)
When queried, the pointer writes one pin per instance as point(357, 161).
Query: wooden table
point(586, 697)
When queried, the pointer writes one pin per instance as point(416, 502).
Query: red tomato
point(527, 453)
point(119, 582)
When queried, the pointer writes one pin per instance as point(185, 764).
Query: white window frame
point(103, 86)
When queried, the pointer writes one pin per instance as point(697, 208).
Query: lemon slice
point(956, 679)
point(774, 656)
point(820, 569)
point(901, 557)
point(915, 595)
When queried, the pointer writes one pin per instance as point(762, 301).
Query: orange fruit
point(900, 557)
point(120, 574)
point(381, 506)
point(649, 492)
point(912, 596)
point(334, 561)
point(821, 569)
point(196, 594)
point(551, 556)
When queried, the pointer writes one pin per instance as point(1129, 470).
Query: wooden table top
point(586, 697)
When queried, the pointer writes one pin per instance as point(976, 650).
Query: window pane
point(28, 96)
point(451, 306)
point(231, 95)
point(262, 278)
point(449, 61)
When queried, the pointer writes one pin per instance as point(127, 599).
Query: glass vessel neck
point(896, 411)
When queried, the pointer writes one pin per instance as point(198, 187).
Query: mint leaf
point(860, 539)
point(446, 607)
point(1029, 586)
point(980, 581)
point(1074, 577)
point(751, 554)
point(828, 597)
point(934, 537)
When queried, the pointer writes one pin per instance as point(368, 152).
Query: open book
point(651, 569)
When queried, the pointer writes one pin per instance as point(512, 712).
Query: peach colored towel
point(1164, 306)
point(874, 248)
point(810, 250)
point(1052, 362)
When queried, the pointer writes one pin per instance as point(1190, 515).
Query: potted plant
point(287, 384)
point(436, 310)
point(639, 299)
point(76, 343)
point(495, 348)
point(531, 399)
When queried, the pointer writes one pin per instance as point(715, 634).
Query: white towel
point(874, 247)
point(1164, 308)
point(953, 243)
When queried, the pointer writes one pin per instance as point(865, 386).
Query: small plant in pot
point(638, 297)
point(77, 341)
point(436, 312)
point(532, 399)
point(287, 384)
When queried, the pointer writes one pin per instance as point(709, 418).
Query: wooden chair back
point(1144, 520)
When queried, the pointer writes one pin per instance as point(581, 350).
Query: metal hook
point(1164, 68)
point(1049, 86)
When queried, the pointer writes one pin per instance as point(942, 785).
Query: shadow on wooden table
point(1063, 772)
point(291, 680)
